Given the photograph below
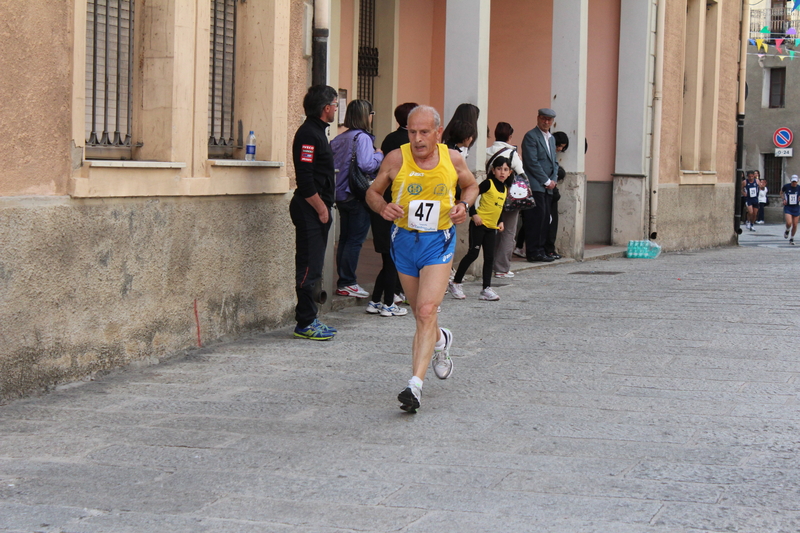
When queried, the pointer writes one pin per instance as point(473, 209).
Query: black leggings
point(479, 236)
point(386, 281)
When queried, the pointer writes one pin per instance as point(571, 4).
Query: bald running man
point(423, 175)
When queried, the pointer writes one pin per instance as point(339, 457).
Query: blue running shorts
point(412, 250)
point(793, 210)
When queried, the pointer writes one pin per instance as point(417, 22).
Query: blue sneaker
point(326, 327)
point(313, 332)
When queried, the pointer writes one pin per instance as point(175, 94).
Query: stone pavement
point(625, 395)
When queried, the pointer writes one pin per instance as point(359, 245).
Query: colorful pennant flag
point(778, 43)
point(765, 29)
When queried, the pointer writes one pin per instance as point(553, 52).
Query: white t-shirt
point(762, 195)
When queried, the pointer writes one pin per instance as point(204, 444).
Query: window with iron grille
point(109, 78)
point(777, 87)
point(222, 79)
point(367, 52)
point(773, 172)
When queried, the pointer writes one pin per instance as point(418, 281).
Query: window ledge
point(133, 164)
point(241, 163)
point(123, 179)
point(695, 177)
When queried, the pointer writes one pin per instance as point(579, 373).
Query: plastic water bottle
point(250, 148)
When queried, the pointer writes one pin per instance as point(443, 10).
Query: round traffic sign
point(783, 137)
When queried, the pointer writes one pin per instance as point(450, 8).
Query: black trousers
point(386, 282)
point(311, 239)
point(537, 223)
point(479, 236)
point(552, 229)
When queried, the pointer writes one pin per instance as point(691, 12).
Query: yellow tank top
point(426, 196)
point(491, 206)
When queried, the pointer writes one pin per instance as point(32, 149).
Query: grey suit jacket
point(539, 164)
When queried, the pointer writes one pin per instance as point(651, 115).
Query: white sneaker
point(508, 274)
point(441, 362)
point(409, 398)
point(457, 290)
point(374, 308)
point(489, 294)
point(759, 221)
point(400, 299)
point(393, 310)
point(352, 290)
point(519, 252)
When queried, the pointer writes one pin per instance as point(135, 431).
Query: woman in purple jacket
point(354, 218)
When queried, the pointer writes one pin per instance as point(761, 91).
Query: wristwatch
point(466, 205)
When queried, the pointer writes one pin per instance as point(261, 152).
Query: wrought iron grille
point(222, 78)
point(778, 20)
point(367, 52)
point(109, 77)
point(773, 172)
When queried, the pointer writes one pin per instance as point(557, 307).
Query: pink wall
point(437, 55)
point(345, 52)
point(415, 46)
point(520, 61)
point(602, 86)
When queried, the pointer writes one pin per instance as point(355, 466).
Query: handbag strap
point(355, 147)
point(496, 154)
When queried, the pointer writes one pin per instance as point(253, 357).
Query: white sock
point(441, 342)
point(415, 382)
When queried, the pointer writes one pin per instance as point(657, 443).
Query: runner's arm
point(389, 168)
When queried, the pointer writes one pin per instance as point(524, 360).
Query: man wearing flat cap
point(541, 168)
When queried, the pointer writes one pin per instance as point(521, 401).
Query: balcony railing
point(781, 23)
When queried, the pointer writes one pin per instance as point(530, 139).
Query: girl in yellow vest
point(483, 228)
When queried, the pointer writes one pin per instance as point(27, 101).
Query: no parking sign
point(783, 138)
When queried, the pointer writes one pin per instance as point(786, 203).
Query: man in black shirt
point(310, 208)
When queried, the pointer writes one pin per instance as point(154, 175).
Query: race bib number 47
point(423, 215)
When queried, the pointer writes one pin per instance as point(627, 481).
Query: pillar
point(568, 87)
point(634, 115)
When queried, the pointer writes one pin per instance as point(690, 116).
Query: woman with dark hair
point(461, 137)
point(353, 212)
point(505, 240)
point(469, 114)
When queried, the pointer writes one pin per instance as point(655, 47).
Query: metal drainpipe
point(737, 208)
point(322, 21)
point(658, 86)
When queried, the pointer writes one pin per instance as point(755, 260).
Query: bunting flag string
point(781, 44)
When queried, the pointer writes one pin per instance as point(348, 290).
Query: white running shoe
point(508, 274)
point(400, 299)
point(457, 290)
point(393, 310)
point(352, 290)
point(441, 362)
point(519, 252)
point(409, 398)
point(489, 294)
point(374, 308)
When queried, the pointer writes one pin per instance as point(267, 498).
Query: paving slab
point(612, 395)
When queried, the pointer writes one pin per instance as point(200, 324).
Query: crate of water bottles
point(643, 249)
